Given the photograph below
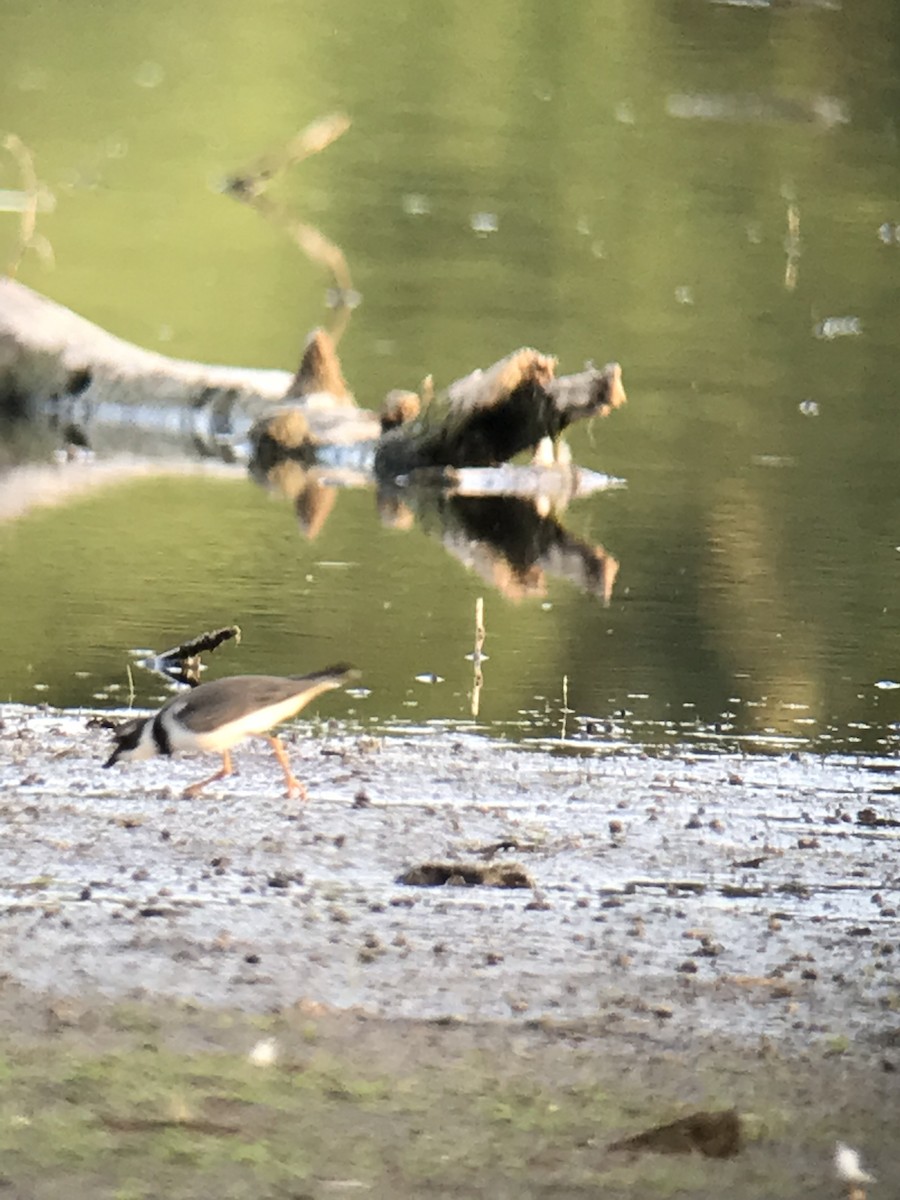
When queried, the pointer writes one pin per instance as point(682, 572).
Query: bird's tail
point(331, 677)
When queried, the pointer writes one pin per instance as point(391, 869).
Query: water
point(698, 190)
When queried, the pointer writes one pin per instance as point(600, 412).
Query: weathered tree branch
point(55, 364)
point(490, 416)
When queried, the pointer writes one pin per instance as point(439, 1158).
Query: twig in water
point(792, 247)
point(182, 663)
point(477, 656)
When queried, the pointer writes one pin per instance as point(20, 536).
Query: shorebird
point(217, 715)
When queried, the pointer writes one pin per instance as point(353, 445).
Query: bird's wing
point(219, 702)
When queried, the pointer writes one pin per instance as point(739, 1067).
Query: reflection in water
point(512, 541)
point(30, 486)
point(511, 544)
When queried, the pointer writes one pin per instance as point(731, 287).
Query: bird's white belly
point(229, 735)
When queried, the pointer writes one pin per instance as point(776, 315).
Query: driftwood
point(460, 874)
point(713, 1134)
point(57, 367)
point(182, 663)
point(490, 416)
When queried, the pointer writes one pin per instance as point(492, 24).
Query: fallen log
point(490, 416)
point(58, 367)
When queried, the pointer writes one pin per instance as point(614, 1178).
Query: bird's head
point(133, 741)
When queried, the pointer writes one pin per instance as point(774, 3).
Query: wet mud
point(753, 895)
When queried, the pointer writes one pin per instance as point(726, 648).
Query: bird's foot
point(295, 789)
point(226, 769)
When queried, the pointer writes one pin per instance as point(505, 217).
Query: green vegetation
point(135, 1102)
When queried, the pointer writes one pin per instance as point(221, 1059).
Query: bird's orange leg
point(294, 786)
point(196, 788)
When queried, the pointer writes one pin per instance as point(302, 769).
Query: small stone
point(709, 948)
point(782, 992)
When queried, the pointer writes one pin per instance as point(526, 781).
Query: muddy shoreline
point(747, 894)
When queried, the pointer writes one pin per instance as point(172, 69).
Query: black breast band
point(160, 736)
